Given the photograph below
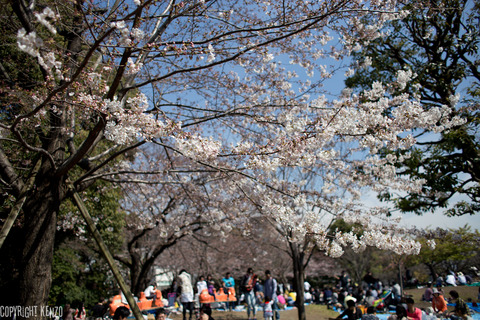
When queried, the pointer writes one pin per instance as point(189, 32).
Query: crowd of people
point(369, 292)
point(345, 296)
point(252, 292)
point(404, 305)
point(263, 293)
point(453, 279)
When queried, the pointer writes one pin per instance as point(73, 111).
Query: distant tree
point(206, 253)
point(438, 42)
point(453, 251)
point(157, 218)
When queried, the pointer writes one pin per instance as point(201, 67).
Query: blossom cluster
point(32, 44)
point(198, 148)
point(126, 120)
point(127, 37)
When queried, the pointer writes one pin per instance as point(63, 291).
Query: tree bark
point(141, 280)
point(40, 222)
point(298, 279)
point(433, 272)
point(135, 271)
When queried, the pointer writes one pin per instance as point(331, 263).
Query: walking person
point(268, 309)
point(186, 293)
point(248, 284)
point(270, 292)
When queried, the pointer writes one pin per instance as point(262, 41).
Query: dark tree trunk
point(36, 252)
point(433, 272)
point(39, 226)
point(140, 276)
point(139, 271)
point(134, 268)
point(298, 258)
point(141, 266)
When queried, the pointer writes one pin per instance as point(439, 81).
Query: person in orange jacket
point(439, 304)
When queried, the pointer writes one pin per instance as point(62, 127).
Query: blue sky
point(428, 220)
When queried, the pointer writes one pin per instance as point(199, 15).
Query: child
point(268, 309)
point(211, 286)
point(205, 313)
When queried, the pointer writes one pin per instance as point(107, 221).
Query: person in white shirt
point(201, 284)
point(186, 293)
point(306, 286)
point(462, 280)
point(150, 291)
point(450, 279)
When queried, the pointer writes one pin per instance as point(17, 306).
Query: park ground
point(320, 312)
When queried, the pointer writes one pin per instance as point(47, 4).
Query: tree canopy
point(453, 251)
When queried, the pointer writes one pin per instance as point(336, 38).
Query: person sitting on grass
point(352, 312)
point(161, 314)
point(400, 313)
point(371, 314)
point(461, 310)
point(439, 304)
point(413, 313)
point(205, 313)
point(121, 313)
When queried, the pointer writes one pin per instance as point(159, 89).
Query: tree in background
point(79, 276)
point(437, 42)
point(453, 251)
point(205, 253)
point(85, 84)
point(157, 218)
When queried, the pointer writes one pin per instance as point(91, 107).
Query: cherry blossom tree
point(205, 253)
point(158, 216)
point(86, 83)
